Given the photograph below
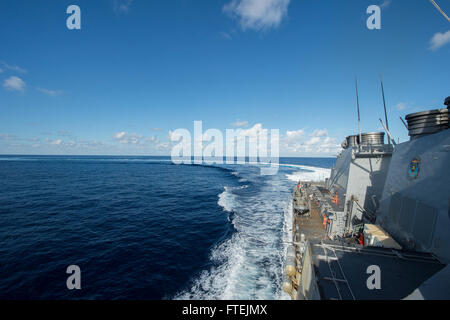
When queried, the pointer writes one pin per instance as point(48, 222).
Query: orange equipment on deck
point(335, 199)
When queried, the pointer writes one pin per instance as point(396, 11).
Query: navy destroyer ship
point(379, 226)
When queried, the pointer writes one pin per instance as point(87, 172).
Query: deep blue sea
point(144, 228)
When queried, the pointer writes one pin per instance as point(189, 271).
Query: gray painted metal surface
point(406, 191)
point(435, 288)
point(307, 289)
point(427, 122)
point(372, 138)
point(341, 271)
point(358, 180)
point(414, 207)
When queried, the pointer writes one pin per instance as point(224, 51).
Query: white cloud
point(52, 93)
point(253, 135)
point(296, 143)
point(122, 6)
point(257, 14)
point(163, 146)
point(385, 4)
point(57, 142)
point(225, 35)
point(135, 139)
point(7, 136)
point(120, 135)
point(67, 145)
point(13, 68)
point(401, 106)
point(294, 135)
point(14, 83)
point(313, 141)
point(239, 123)
point(1, 70)
point(64, 133)
point(439, 40)
point(292, 143)
point(319, 133)
point(174, 136)
point(255, 131)
point(153, 139)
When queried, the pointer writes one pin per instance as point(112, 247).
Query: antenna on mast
point(439, 9)
point(404, 123)
point(388, 133)
point(357, 106)
point(384, 103)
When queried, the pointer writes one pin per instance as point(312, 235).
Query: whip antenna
point(357, 107)
point(440, 10)
point(404, 123)
point(384, 103)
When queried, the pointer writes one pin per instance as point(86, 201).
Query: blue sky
point(139, 69)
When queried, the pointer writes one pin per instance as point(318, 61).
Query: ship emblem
point(414, 168)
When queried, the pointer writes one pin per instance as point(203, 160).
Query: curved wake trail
point(248, 265)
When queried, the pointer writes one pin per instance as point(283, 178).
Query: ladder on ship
point(338, 281)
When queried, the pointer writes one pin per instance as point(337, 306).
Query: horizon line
point(129, 155)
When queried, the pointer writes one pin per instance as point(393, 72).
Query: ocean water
point(144, 228)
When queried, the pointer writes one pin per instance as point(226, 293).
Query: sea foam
point(249, 264)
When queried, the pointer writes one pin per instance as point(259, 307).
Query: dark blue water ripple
point(137, 229)
point(142, 228)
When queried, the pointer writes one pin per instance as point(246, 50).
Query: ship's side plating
point(397, 202)
point(414, 207)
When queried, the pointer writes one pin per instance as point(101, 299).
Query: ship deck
point(311, 226)
point(340, 267)
point(341, 271)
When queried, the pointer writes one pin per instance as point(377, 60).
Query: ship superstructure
point(384, 209)
point(356, 184)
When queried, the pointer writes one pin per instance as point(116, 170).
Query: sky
point(137, 70)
